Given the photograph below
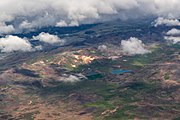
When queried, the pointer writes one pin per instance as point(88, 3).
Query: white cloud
point(173, 36)
point(133, 46)
point(39, 47)
point(48, 38)
point(173, 31)
point(167, 22)
point(6, 29)
point(30, 14)
point(102, 47)
point(172, 39)
point(38, 13)
point(71, 78)
point(167, 8)
point(62, 23)
point(74, 23)
point(13, 44)
point(25, 25)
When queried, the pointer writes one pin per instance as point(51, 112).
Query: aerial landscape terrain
point(90, 60)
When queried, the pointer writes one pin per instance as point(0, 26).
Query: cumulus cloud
point(30, 14)
point(25, 25)
point(48, 38)
point(6, 29)
point(173, 31)
point(102, 47)
point(172, 39)
point(62, 23)
point(13, 44)
point(133, 46)
point(39, 47)
point(173, 36)
point(167, 22)
point(71, 78)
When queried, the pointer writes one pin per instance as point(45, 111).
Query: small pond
point(121, 71)
point(94, 75)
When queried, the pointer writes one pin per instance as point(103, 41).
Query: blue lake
point(121, 71)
